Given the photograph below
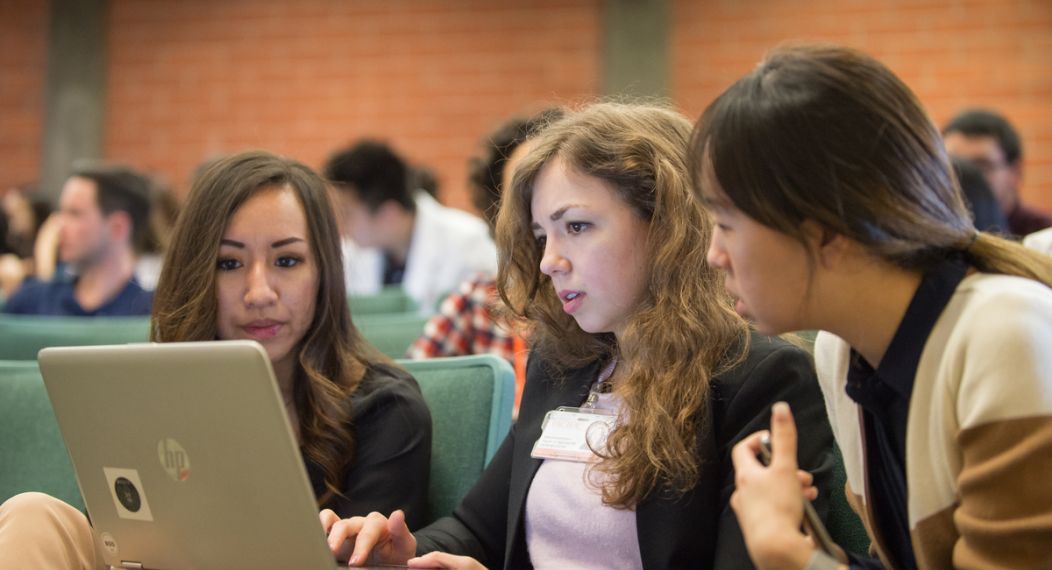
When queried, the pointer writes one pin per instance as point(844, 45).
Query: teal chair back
point(470, 398)
point(33, 456)
point(389, 300)
point(844, 525)
point(392, 333)
point(22, 336)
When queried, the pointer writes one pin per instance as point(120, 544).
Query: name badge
point(570, 434)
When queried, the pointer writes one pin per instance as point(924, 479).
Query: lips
point(572, 300)
point(262, 329)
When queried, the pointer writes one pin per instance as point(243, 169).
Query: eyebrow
point(557, 215)
point(279, 243)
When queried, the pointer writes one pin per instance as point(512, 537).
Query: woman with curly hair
point(603, 251)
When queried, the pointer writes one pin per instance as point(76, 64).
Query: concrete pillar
point(635, 48)
point(74, 89)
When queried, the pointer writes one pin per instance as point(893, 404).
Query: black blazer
point(695, 530)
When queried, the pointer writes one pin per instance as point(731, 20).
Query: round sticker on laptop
point(174, 459)
point(109, 542)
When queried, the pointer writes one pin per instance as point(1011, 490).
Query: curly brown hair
point(333, 356)
point(684, 330)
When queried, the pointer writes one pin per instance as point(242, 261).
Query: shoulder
point(993, 333)
point(768, 360)
point(454, 223)
point(32, 294)
point(992, 313)
point(387, 390)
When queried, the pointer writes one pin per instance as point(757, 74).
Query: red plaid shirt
point(465, 325)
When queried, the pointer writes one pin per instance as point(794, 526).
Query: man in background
point(398, 235)
point(993, 145)
point(103, 211)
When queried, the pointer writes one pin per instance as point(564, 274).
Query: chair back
point(33, 455)
point(391, 299)
point(470, 398)
point(844, 525)
point(22, 336)
point(392, 333)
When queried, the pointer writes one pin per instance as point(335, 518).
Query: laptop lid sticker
point(129, 497)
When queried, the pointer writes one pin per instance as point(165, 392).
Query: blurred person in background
point(979, 197)
point(993, 145)
point(102, 213)
point(397, 235)
point(469, 321)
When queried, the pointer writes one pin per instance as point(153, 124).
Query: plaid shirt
point(465, 325)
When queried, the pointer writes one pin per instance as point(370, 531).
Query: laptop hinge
point(129, 564)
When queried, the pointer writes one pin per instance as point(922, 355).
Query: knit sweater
point(979, 433)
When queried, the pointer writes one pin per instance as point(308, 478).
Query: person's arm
point(1004, 409)
point(774, 372)
point(478, 526)
point(392, 456)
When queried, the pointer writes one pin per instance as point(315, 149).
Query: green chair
point(844, 525)
point(392, 333)
point(389, 300)
point(22, 336)
point(33, 456)
point(470, 398)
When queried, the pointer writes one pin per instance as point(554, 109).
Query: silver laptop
point(184, 455)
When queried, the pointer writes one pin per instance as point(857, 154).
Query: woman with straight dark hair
point(603, 251)
point(836, 209)
point(256, 255)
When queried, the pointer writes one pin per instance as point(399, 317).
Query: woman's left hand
point(768, 500)
point(445, 560)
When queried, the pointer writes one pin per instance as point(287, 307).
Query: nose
point(717, 255)
point(259, 291)
point(552, 261)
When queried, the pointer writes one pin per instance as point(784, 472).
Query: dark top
point(56, 298)
point(1025, 220)
point(392, 456)
point(694, 530)
point(884, 396)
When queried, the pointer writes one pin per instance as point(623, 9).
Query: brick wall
point(191, 79)
point(952, 53)
point(23, 57)
point(195, 78)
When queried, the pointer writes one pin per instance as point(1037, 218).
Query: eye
point(227, 264)
point(288, 261)
point(576, 227)
point(540, 240)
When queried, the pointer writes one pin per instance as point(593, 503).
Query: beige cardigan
point(979, 434)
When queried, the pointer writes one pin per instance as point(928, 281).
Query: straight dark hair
point(333, 356)
point(829, 134)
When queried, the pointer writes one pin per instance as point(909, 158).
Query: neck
point(402, 234)
point(101, 281)
point(867, 306)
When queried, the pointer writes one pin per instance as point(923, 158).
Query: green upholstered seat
point(844, 525)
point(470, 398)
point(389, 300)
point(392, 333)
point(22, 336)
point(33, 456)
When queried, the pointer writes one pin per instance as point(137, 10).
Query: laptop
point(185, 456)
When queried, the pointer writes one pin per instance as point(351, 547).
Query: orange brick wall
point(23, 58)
point(952, 53)
point(191, 79)
point(195, 78)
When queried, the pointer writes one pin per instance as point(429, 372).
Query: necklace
point(602, 384)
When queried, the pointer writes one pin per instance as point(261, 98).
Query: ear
point(1016, 171)
point(119, 226)
point(828, 247)
point(390, 211)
